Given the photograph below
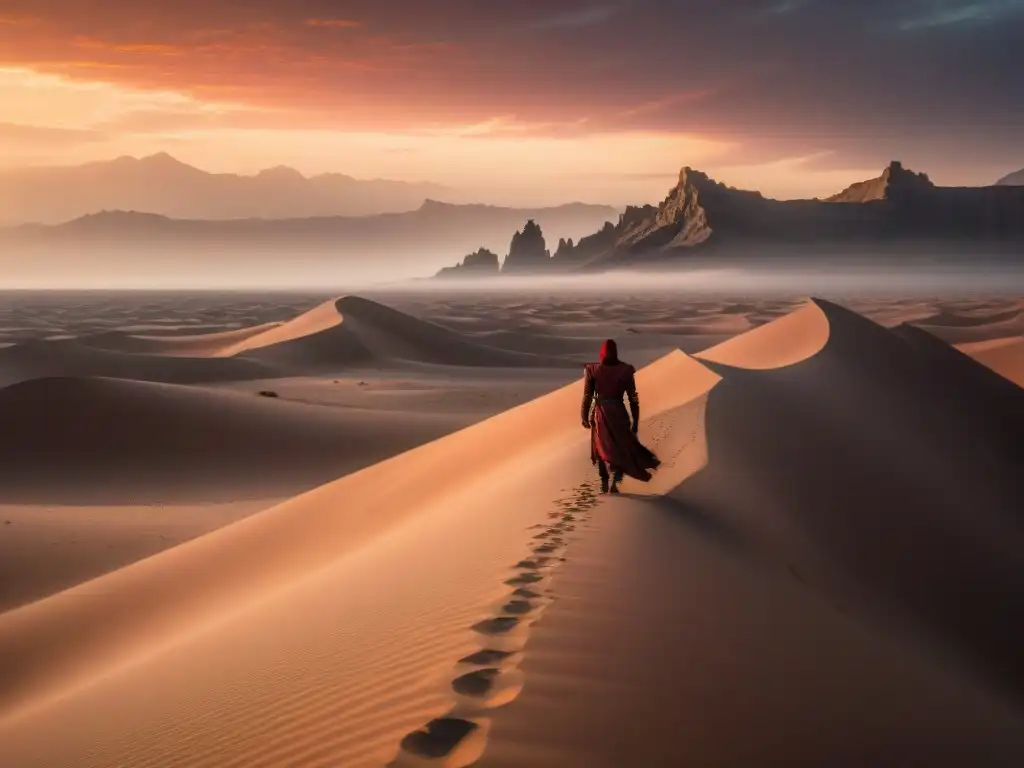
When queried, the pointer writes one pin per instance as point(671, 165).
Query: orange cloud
point(673, 100)
point(15, 20)
point(334, 23)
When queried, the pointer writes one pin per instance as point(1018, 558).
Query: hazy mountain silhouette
point(163, 185)
point(1015, 179)
point(121, 243)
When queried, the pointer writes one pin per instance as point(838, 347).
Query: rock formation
point(482, 263)
point(894, 180)
point(894, 211)
point(528, 252)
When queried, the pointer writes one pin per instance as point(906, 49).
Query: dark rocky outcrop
point(528, 251)
point(894, 180)
point(482, 263)
point(896, 211)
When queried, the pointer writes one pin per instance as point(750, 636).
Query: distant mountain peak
point(894, 178)
point(281, 173)
point(165, 161)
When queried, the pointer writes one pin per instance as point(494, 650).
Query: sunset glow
point(542, 103)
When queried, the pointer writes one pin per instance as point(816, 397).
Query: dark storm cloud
point(781, 76)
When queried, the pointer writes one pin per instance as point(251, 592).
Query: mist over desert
point(265, 529)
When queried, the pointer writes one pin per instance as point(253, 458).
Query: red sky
point(530, 101)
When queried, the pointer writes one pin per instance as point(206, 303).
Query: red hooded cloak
point(612, 439)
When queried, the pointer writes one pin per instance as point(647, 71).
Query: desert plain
point(363, 530)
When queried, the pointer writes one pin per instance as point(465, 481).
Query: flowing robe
point(611, 436)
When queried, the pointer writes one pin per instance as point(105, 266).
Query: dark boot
point(602, 471)
point(616, 479)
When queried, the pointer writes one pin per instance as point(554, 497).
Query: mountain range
point(146, 248)
point(162, 185)
point(898, 212)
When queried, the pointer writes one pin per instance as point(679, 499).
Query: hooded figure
point(613, 439)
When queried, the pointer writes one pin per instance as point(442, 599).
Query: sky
point(525, 102)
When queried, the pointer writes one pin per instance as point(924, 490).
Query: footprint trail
point(490, 677)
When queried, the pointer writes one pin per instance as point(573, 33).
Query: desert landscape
point(295, 529)
point(550, 384)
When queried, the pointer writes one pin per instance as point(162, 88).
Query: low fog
point(324, 273)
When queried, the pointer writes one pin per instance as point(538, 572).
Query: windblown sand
point(397, 554)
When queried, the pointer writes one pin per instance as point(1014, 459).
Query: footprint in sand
point(440, 738)
point(496, 626)
point(518, 607)
point(529, 594)
point(486, 657)
point(476, 683)
point(491, 687)
point(524, 578)
point(533, 564)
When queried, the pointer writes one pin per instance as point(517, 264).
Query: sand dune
point(435, 489)
point(800, 585)
point(961, 326)
point(47, 548)
point(355, 330)
point(786, 341)
point(72, 357)
point(110, 441)
point(331, 337)
point(869, 461)
point(188, 345)
point(835, 587)
point(1004, 356)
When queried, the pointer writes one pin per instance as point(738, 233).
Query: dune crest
point(785, 341)
point(1004, 356)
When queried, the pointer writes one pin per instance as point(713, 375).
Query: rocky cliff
point(894, 179)
point(528, 251)
point(895, 210)
point(483, 263)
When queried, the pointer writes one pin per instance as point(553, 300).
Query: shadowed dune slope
point(880, 464)
point(109, 441)
point(73, 357)
point(190, 345)
point(1004, 356)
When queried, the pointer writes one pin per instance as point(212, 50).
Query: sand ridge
point(336, 335)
